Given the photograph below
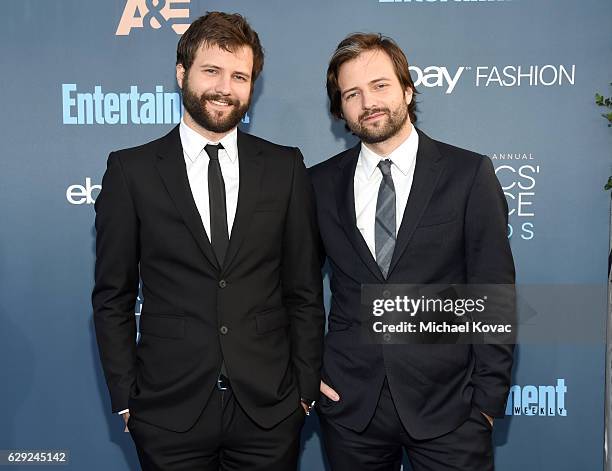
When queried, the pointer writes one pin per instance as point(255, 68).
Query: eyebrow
point(371, 82)
point(213, 66)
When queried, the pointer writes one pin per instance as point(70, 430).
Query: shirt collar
point(193, 143)
point(403, 157)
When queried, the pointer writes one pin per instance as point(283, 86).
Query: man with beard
point(402, 208)
point(220, 228)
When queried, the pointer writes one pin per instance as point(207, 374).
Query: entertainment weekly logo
point(518, 174)
point(125, 107)
point(132, 106)
point(154, 14)
point(537, 401)
point(491, 76)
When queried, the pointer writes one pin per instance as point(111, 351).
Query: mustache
point(217, 97)
point(373, 111)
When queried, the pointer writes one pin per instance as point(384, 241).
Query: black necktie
point(219, 235)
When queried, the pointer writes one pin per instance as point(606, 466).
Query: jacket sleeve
point(116, 282)
point(489, 261)
point(302, 282)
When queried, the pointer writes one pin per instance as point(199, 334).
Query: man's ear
point(408, 95)
point(180, 75)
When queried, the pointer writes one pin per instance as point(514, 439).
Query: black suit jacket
point(261, 312)
point(453, 231)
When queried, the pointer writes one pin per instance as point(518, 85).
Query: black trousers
point(380, 446)
point(223, 438)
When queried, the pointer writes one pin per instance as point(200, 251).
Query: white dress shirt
point(196, 162)
point(367, 181)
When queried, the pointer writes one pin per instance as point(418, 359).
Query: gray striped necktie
point(384, 228)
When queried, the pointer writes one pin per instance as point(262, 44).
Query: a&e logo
point(154, 14)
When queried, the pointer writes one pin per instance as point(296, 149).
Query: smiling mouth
point(220, 103)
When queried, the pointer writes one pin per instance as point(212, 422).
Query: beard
point(213, 121)
point(382, 130)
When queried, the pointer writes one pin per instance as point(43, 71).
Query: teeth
point(220, 103)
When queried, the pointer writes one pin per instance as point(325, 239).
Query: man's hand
point(126, 417)
point(305, 407)
point(329, 392)
point(488, 417)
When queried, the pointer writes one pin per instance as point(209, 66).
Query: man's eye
point(242, 78)
point(381, 85)
point(210, 71)
point(350, 95)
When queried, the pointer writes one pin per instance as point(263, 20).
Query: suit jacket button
point(222, 284)
point(223, 329)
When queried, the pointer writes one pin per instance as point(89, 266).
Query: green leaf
point(609, 184)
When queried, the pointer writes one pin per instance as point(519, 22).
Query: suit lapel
point(429, 166)
point(250, 172)
point(171, 166)
point(345, 200)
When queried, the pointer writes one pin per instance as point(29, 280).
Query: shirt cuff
point(123, 411)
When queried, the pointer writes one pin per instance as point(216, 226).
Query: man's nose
point(222, 86)
point(367, 100)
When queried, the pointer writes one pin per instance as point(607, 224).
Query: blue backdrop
point(511, 79)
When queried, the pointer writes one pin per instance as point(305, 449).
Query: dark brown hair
point(229, 31)
point(356, 44)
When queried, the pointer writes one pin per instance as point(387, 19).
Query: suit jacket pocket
point(271, 320)
point(161, 325)
point(437, 219)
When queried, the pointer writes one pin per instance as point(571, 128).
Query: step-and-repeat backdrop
point(511, 79)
